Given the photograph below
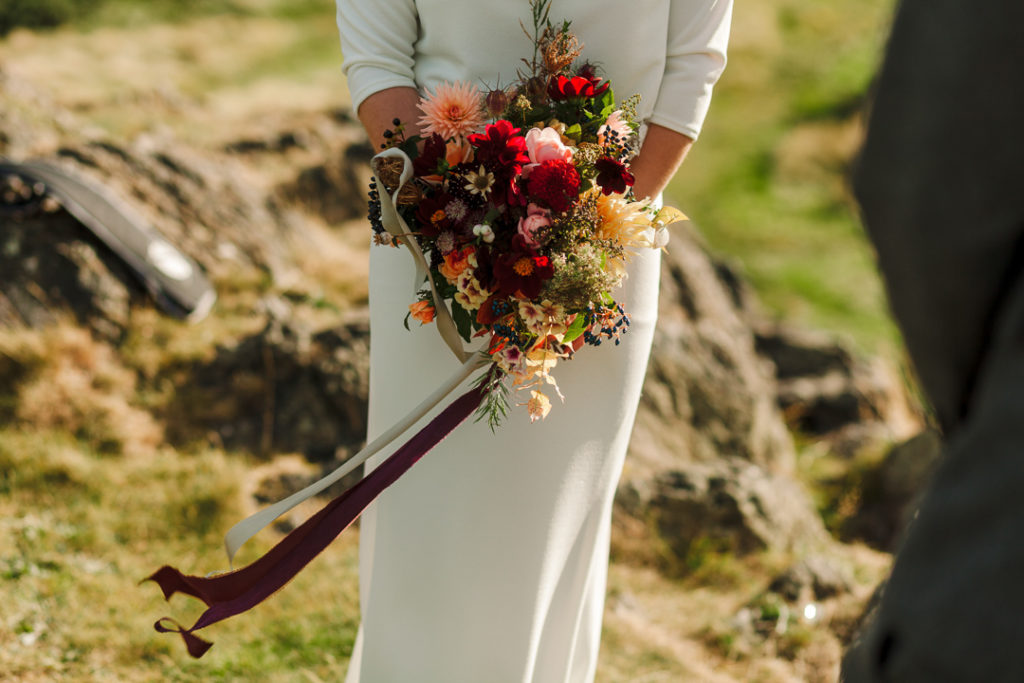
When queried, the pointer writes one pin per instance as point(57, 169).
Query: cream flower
point(624, 222)
point(479, 182)
point(544, 319)
point(471, 295)
point(511, 360)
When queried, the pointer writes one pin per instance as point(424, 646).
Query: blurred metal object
point(175, 281)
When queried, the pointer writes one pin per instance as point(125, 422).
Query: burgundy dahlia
point(613, 175)
point(434, 150)
point(555, 183)
point(431, 216)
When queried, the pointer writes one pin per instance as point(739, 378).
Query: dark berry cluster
point(607, 324)
point(373, 213)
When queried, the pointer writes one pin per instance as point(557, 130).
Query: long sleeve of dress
point(698, 34)
point(671, 52)
point(377, 42)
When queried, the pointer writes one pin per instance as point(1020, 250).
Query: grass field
point(90, 499)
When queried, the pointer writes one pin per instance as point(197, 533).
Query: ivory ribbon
point(252, 525)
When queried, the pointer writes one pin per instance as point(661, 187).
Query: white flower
point(484, 232)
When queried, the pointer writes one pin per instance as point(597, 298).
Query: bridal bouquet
point(519, 200)
point(517, 209)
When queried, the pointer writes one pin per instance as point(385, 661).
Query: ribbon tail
point(238, 591)
point(195, 645)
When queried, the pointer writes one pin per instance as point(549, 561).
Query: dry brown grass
point(67, 381)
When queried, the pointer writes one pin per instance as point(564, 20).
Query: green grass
point(79, 531)
point(767, 181)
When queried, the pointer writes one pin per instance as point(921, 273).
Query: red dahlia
point(500, 148)
point(562, 88)
point(555, 183)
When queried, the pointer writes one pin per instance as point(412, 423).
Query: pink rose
point(545, 144)
point(536, 218)
point(614, 123)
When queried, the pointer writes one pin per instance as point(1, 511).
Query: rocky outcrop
point(707, 393)
point(827, 391)
point(240, 211)
point(285, 389)
point(730, 505)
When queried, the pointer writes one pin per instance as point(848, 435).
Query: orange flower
point(457, 261)
point(458, 151)
point(422, 311)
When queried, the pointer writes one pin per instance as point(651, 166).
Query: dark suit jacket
point(941, 187)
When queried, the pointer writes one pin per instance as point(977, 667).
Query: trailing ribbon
point(396, 226)
point(242, 589)
point(239, 590)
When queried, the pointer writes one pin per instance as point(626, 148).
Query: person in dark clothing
point(941, 185)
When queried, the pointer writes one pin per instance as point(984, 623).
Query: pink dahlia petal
point(452, 111)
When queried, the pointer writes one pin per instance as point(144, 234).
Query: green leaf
point(463, 320)
point(410, 146)
point(575, 329)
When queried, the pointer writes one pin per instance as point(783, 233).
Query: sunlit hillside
point(91, 496)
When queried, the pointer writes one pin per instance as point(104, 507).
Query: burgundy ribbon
point(237, 591)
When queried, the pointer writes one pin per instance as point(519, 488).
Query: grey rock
point(825, 390)
point(735, 505)
point(284, 389)
point(815, 576)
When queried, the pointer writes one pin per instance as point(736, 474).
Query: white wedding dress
point(487, 561)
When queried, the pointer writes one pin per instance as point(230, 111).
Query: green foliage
point(496, 404)
point(49, 14)
point(42, 14)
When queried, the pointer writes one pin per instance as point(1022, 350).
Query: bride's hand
point(659, 158)
point(378, 111)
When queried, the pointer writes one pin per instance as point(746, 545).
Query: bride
point(487, 561)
